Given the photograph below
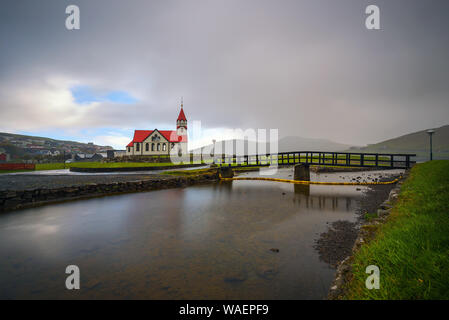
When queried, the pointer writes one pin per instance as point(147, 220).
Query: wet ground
point(33, 181)
point(65, 178)
point(232, 240)
point(336, 243)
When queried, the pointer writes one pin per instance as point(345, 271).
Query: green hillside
point(417, 142)
point(23, 147)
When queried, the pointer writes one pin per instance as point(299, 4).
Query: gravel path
point(30, 182)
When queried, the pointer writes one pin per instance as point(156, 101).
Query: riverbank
point(407, 239)
point(337, 242)
point(24, 191)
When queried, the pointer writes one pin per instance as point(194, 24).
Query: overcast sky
point(308, 68)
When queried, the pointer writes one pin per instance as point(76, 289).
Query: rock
point(274, 250)
point(385, 206)
point(10, 194)
point(382, 212)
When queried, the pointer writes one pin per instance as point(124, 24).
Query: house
point(115, 153)
point(160, 142)
point(88, 157)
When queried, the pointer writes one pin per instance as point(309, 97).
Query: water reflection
point(202, 242)
point(302, 189)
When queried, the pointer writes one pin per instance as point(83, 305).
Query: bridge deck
point(344, 159)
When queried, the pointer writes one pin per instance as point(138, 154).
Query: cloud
point(308, 68)
point(116, 141)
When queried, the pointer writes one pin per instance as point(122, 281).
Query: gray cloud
point(309, 68)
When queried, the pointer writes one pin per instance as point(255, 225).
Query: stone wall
point(11, 200)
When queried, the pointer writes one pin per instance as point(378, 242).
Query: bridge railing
point(346, 159)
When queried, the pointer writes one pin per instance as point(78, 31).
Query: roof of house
point(170, 135)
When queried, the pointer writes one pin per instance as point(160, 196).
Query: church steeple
point(181, 122)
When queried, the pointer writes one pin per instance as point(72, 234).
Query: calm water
point(202, 242)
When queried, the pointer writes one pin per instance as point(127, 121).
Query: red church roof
point(170, 135)
point(182, 116)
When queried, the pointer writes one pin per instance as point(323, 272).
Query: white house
point(160, 142)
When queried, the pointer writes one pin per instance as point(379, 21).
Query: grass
point(118, 164)
point(58, 166)
point(15, 171)
point(411, 248)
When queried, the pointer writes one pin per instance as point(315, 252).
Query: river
point(208, 241)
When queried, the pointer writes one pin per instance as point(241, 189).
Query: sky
point(308, 68)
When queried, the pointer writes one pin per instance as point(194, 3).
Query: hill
point(290, 143)
point(22, 146)
point(293, 143)
point(416, 142)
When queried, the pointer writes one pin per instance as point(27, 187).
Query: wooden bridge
point(320, 158)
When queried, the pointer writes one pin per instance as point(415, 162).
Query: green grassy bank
point(57, 166)
point(411, 248)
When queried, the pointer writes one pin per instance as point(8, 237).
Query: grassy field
point(411, 248)
point(57, 166)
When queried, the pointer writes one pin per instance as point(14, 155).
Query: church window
point(164, 147)
point(137, 147)
point(152, 147)
point(147, 146)
point(158, 147)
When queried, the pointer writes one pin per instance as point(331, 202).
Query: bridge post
point(302, 172)
point(226, 172)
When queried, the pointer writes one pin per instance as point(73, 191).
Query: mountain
point(290, 143)
point(416, 142)
point(22, 146)
point(293, 143)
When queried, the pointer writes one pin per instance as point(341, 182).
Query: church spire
point(182, 120)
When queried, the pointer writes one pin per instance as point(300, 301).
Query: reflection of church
point(160, 142)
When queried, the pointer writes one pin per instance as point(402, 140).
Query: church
point(160, 142)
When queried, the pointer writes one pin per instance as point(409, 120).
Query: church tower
point(181, 123)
